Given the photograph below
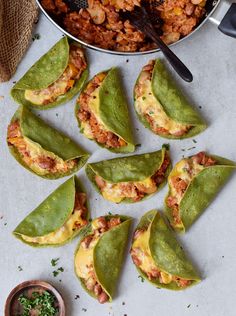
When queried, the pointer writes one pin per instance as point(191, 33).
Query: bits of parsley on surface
point(42, 303)
point(54, 262)
point(141, 278)
point(36, 37)
point(56, 272)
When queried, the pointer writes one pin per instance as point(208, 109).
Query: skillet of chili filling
point(100, 24)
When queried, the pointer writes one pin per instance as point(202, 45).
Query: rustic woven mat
point(17, 18)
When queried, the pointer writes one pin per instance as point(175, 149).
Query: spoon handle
point(175, 62)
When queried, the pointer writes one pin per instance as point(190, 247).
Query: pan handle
point(228, 22)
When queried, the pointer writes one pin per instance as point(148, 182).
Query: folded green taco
point(130, 179)
point(102, 113)
point(193, 184)
point(100, 254)
point(162, 107)
point(158, 256)
point(55, 78)
point(58, 219)
point(42, 149)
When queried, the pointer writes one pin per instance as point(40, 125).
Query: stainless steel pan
point(214, 11)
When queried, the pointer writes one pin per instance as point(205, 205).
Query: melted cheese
point(148, 104)
point(60, 235)
point(43, 96)
point(142, 250)
point(114, 193)
point(93, 104)
point(86, 129)
point(181, 170)
point(94, 107)
point(35, 151)
point(84, 260)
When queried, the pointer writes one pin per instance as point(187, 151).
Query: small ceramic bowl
point(34, 285)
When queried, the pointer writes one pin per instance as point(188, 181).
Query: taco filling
point(148, 106)
point(84, 263)
point(34, 156)
point(88, 115)
point(76, 65)
point(75, 222)
point(136, 191)
point(142, 258)
point(180, 178)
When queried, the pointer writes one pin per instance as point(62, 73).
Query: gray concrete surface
point(210, 242)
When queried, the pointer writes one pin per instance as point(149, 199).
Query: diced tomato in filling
point(76, 65)
point(45, 163)
point(99, 227)
point(180, 185)
point(85, 114)
point(135, 190)
point(140, 256)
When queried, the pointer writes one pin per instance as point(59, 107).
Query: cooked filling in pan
point(75, 222)
point(185, 171)
point(133, 190)
point(142, 258)
point(34, 156)
point(84, 257)
point(148, 106)
point(101, 25)
point(76, 66)
point(91, 124)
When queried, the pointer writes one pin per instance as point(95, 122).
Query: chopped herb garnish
point(200, 107)
point(94, 97)
point(77, 296)
point(151, 112)
point(143, 98)
point(5, 224)
point(194, 140)
point(141, 278)
point(19, 268)
point(182, 149)
point(41, 303)
point(57, 114)
point(90, 220)
point(55, 273)
point(54, 262)
point(13, 82)
point(188, 305)
point(138, 145)
point(36, 37)
point(1, 217)
point(123, 303)
point(127, 60)
point(191, 148)
point(223, 256)
point(137, 129)
point(84, 309)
